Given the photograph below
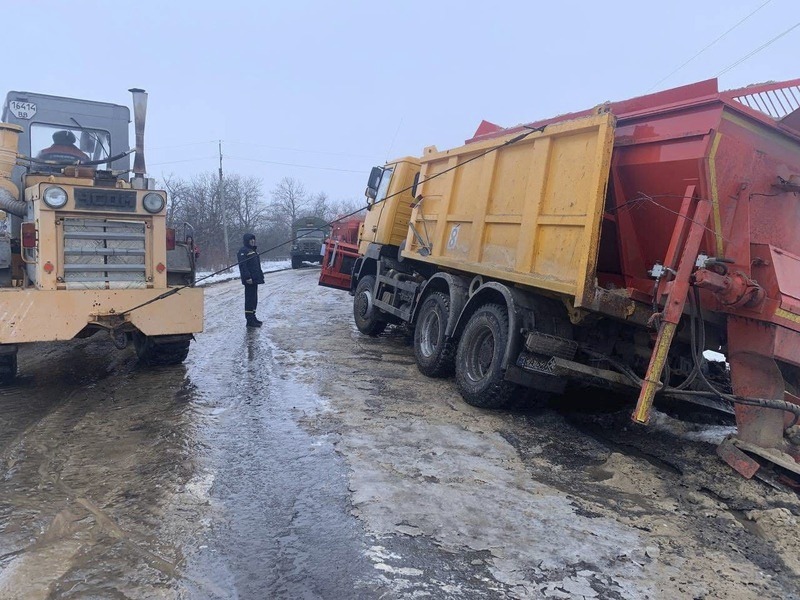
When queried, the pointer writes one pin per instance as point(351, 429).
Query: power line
point(185, 160)
point(759, 49)
point(283, 148)
point(663, 79)
point(283, 164)
point(300, 149)
point(186, 145)
point(258, 160)
point(514, 140)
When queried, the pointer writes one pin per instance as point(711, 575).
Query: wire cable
point(663, 79)
point(283, 164)
point(759, 49)
point(302, 150)
point(514, 140)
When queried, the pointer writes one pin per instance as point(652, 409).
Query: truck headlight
point(153, 203)
point(55, 197)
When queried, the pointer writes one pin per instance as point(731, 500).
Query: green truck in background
point(308, 237)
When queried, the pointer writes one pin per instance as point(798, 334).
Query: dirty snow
point(268, 266)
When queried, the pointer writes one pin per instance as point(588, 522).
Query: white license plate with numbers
point(22, 110)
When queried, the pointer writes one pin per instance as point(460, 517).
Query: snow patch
point(407, 571)
point(268, 266)
point(696, 432)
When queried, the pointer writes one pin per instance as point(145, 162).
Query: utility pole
point(222, 207)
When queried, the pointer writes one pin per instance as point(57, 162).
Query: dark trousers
point(250, 299)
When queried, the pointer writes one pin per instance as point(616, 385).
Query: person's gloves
point(248, 281)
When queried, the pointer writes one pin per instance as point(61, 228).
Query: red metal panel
point(787, 272)
point(754, 374)
point(681, 96)
point(741, 462)
point(337, 264)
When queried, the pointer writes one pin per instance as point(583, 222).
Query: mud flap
point(737, 460)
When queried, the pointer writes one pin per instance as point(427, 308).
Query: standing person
point(252, 276)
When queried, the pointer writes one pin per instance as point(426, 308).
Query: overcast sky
point(342, 86)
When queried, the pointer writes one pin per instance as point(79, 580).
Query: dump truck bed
point(524, 211)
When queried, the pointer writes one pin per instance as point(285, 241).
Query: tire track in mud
point(280, 526)
point(75, 480)
point(306, 460)
point(688, 544)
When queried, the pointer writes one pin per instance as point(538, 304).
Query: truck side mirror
point(414, 185)
point(373, 182)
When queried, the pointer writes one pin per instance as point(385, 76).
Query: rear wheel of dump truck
point(8, 366)
point(434, 353)
point(479, 373)
point(364, 312)
point(160, 350)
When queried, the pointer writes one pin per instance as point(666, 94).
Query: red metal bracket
point(676, 299)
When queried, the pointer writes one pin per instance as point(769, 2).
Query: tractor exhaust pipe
point(139, 116)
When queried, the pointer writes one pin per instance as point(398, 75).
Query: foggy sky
point(342, 86)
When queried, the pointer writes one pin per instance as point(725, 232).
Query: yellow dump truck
point(483, 248)
point(84, 246)
point(613, 247)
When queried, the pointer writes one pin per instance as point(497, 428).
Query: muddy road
point(304, 460)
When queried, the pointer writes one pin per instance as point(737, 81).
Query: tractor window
point(67, 145)
point(383, 188)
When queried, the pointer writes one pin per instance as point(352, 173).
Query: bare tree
point(318, 205)
point(339, 208)
point(176, 189)
point(289, 201)
point(196, 201)
point(247, 207)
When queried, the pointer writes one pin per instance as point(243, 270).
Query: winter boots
point(251, 320)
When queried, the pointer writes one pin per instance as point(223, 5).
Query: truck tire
point(296, 262)
point(435, 355)
point(479, 374)
point(364, 312)
point(153, 353)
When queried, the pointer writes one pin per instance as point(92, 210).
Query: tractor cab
point(60, 132)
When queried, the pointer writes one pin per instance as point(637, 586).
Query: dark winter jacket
point(249, 261)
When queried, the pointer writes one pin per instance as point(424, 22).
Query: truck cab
point(308, 238)
point(389, 197)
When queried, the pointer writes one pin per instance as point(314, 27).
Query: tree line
point(247, 208)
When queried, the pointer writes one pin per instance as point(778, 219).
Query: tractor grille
point(104, 253)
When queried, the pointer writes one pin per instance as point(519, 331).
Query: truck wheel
point(154, 353)
point(479, 375)
point(364, 312)
point(435, 355)
point(8, 368)
point(296, 262)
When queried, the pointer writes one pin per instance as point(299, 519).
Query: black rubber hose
point(694, 300)
point(78, 163)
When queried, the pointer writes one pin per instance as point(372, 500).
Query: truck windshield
point(67, 145)
point(383, 187)
point(309, 233)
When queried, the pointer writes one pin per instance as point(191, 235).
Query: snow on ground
point(268, 266)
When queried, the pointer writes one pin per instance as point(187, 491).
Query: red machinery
point(341, 251)
point(704, 203)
